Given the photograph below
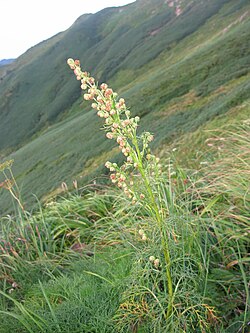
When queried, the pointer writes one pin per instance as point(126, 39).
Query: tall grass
point(224, 190)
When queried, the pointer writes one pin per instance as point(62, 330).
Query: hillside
point(129, 215)
point(179, 65)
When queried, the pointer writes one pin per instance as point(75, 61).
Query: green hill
point(177, 70)
point(166, 247)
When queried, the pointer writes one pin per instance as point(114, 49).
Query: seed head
point(156, 263)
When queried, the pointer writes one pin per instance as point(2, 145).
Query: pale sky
point(25, 23)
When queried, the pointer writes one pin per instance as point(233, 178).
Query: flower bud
point(156, 263)
point(103, 86)
point(87, 97)
point(119, 138)
point(108, 164)
point(77, 71)
point(129, 159)
point(108, 107)
point(122, 178)
point(70, 62)
point(109, 135)
point(108, 121)
point(92, 91)
point(99, 99)
point(141, 232)
point(91, 80)
point(121, 101)
point(150, 138)
point(100, 114)
point(108, 92)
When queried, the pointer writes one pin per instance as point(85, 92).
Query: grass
point(206, 63)
point(70, 302)
point(98, 275)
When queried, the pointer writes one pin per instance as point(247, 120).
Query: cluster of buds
point(10, 183)
point(7, 184)
point(14, 286)
point(142, 235)
point(108, 106)
point(119, 177)
point(120, 126)
point(154, 261)
point(154, 166)
point(6, 165)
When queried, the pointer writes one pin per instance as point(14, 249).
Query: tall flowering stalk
point(10, 183)
point(140, 175)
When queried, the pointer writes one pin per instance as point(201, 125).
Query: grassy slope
point(84, 293)
point(109, 286)
point(192, 78)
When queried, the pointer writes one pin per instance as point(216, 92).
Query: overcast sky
point(25, 23)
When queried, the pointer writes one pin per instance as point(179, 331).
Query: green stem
point(164, 241)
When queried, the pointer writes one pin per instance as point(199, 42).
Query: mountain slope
point(178, 68)
point(5, 62)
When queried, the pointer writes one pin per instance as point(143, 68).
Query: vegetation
point(158, 239)
point(183, 81)
point(169, 251)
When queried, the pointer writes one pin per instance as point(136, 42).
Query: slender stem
point(164, 241)
point(17, 199)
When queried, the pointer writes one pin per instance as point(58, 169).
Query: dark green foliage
point(83, 300)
